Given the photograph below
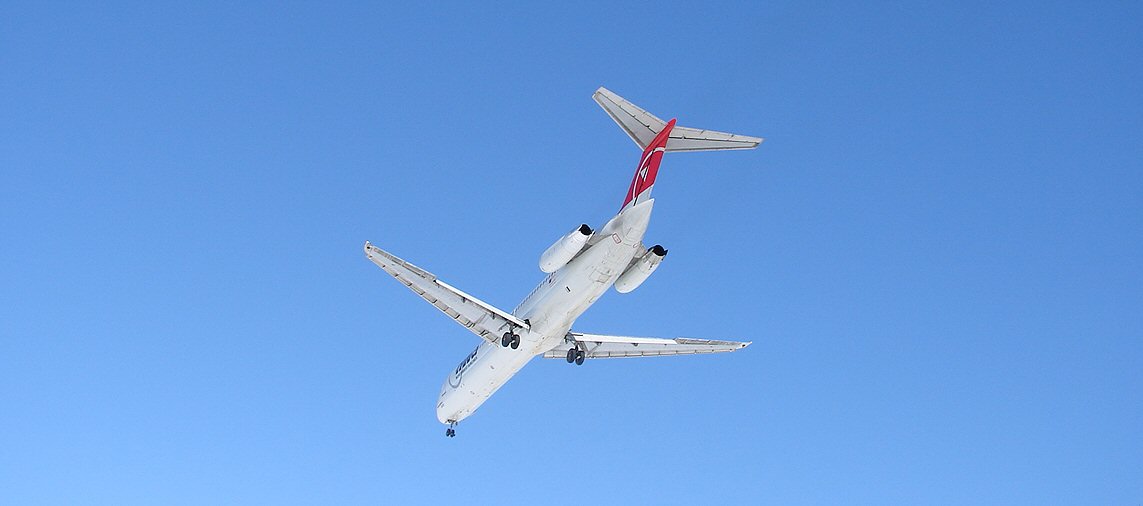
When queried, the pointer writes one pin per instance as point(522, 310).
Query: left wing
point(477, 316)
point(600, 346)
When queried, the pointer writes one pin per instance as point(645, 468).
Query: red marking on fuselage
point(648, 165)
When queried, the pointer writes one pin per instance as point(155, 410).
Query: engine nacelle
point(560, 253)
point(639, 271)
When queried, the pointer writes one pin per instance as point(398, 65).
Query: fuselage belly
point(550, 309)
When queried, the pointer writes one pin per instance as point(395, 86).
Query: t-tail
point(655, 137)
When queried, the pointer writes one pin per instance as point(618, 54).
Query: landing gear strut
point(451, 430)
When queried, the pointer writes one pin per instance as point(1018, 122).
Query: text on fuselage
point(466, 362)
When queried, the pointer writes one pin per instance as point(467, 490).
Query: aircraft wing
point(474, 314)
point(600, 346)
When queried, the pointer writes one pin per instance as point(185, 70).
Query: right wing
point(600, 346)
point(474, 314)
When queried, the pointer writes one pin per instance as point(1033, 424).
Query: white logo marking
point(644, 166)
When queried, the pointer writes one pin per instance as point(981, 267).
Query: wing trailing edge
point(479, 317)
point(603, 346)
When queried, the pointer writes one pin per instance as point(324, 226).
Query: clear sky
point(938, 251)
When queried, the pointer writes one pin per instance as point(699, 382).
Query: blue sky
point(937, 252)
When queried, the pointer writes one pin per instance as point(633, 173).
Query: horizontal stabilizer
point(643, 126)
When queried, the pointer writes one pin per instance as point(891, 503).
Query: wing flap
point(604, 346)
point(479, 317)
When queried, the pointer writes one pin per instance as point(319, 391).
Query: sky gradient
point(937, 252)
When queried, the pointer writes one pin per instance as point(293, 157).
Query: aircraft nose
point(442, 417)
point(445, 409)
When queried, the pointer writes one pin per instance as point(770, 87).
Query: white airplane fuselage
point(550, 310)
point(582, 265)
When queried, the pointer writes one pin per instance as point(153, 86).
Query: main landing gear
point(576, 355)
point(510, 339)
point(451, 430)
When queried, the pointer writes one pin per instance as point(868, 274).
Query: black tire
point(571, 355)
point(579, 356)
point(515, 341)
point(506, 340)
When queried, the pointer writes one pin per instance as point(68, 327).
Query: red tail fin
point(644, 179)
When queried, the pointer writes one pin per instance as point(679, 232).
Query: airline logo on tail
point(648, 165)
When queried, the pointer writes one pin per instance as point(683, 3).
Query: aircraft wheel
point(571, 355)
point(506, 340)
point(515, 341)
point(579, 356)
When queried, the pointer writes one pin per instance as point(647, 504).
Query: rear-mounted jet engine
point(640, 270)
point(560, 253)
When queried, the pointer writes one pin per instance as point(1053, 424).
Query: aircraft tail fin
point(655, 137)
point(643, 127)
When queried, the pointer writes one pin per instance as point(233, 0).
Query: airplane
point(580, 267)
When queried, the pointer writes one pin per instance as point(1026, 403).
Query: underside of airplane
point(580, 267)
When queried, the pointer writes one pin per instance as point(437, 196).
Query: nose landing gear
point(451, 430)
